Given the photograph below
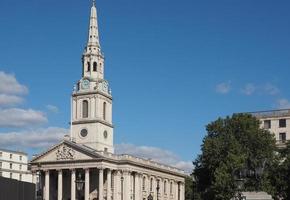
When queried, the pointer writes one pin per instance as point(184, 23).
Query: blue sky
point(173, 66)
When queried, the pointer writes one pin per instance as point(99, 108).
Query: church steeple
point(92, 99)
point(93, 38)
point(93, 59)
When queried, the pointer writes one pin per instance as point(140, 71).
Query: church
point(84, 165)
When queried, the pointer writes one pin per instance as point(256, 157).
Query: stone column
point(59, 189)
point(46, 194)
point(101, 182)
point(161, 190)
point(176, 186)
point(73, 184)
point(117, 186)
point(126, 175)
point(137, 187)
point(109, 183)
point(182, 192)
point(87, 184)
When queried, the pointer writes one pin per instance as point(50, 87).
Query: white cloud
point(263, 89)
point(156, 154)
point(38, 138)
point(249, 89)
point(16, 117)
point(9, 85)
point(52, 108)
point(10, 100)
point(223, 88)
point(271, 89)
point(283, 104)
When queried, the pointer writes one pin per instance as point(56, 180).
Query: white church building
point(84, 165)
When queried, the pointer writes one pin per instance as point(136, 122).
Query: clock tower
point(91, 122)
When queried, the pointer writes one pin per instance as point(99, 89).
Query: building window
point(85, 109)
point(165, 185)
point(282, 123)
point(20, 177)
point(20, 167)
point(11, 156)
point(171, 188)
point(267, 124)
point(282, 137)
point(143, 183)
point(1, 153)
point(151, 184)
point(1, 174)
point(105, 149)
point(0, 165)
point(104, 110)
point(10, 165)
point(20, 158)
point(88, 66)
point(95, 67)
point(10, 175)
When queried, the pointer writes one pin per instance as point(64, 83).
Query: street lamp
point(79, 183)
point(150, 197)
point(157, 188)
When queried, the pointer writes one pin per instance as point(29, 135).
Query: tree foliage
point(233, 143)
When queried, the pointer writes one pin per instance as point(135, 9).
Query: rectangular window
point(282, 137)
point(10, 175)
point(0, 165)
point(10, 155)
point(10, 165)
point(20, 177)
point(20, 167)
point(282, 123)
point(267, 124)
point(20, 158)
point(1, 153)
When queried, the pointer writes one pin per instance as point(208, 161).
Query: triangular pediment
point(66, 151)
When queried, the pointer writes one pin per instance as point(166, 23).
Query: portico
point(104, 175)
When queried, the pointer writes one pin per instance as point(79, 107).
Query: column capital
point(126, 171)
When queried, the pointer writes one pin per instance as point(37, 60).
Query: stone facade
point(277, 122)
point(87, 156)
point(14, 165)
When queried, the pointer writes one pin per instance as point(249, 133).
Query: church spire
point(93, 37)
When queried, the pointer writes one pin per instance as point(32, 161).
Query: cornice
point(91, 93)
point(91, 122)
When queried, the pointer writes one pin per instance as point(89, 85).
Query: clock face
point(105, 87)
point(85, 84)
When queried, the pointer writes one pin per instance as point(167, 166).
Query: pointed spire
point(93, 39)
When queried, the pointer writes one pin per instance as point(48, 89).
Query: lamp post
point(80, 184)
point(150, 197)
point(239, 178)
point(157, 188)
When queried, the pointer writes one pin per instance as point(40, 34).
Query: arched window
point(104, 110)
point(85, 109)
point(151, 184)
point(171, 188)
point(89, 66)
point(95, 66)
point(165, 185)
point(143, 183)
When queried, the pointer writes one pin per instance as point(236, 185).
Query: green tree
point(230, 144)
point(280, 174)
point(189, 190)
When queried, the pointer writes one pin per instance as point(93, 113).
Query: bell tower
point(92, 99)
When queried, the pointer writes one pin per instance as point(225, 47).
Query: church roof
point(89, 154)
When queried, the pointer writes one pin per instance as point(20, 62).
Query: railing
point(271, 113)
